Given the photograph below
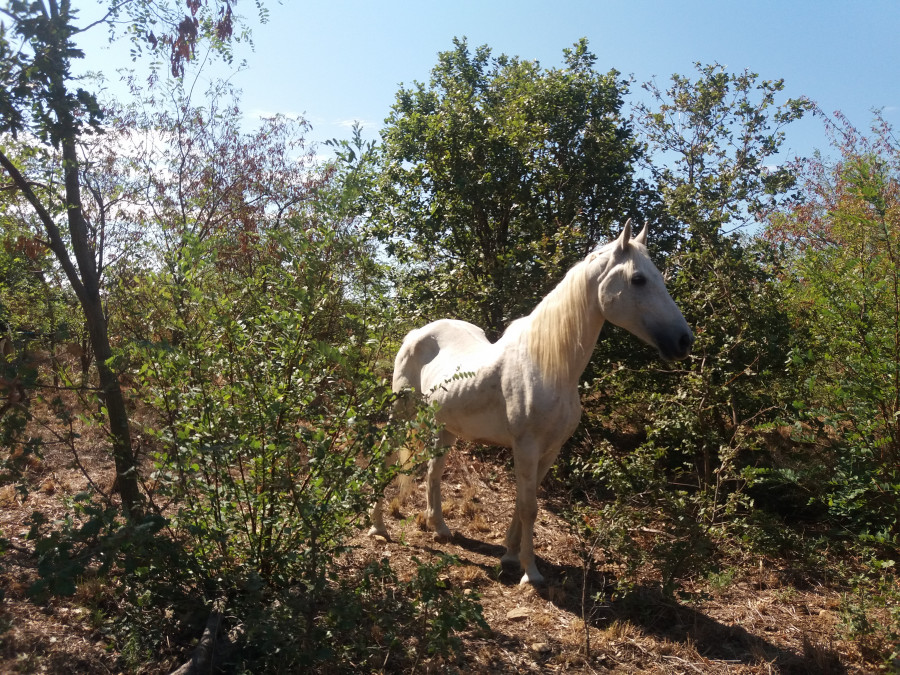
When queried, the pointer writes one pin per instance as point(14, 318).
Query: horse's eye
point(638, 279)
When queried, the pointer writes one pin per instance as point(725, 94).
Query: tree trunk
point(85, 282)
point(92, 306)
point(117, 414)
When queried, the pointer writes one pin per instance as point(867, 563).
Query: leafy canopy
point(717, 136)
point(497, 174)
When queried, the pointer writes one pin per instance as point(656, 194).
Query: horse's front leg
point(520, 536)
point(434, 516)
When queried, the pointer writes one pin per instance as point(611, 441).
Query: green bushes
point(271, 430)
point(842, 281)
point(262, 422)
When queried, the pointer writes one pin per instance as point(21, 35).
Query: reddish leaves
point(224, 27)
point(840, 195)
point(183, 44)
point(196, 24)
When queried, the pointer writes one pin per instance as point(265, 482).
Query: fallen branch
point(204, 655)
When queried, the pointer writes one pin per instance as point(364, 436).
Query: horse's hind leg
point(434, 517)
point(376, 514)
point(402, 409)
point(513, 541)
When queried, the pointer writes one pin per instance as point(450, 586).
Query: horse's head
point(633, 295)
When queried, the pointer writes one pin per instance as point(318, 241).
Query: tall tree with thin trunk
point(39, 100)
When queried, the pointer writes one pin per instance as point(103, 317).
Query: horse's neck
point(591, 333)
point(565, 326)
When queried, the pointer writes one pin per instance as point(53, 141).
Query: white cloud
point(364, 124)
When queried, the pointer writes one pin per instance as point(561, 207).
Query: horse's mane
point(557, 323)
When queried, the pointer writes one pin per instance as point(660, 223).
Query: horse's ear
point(625, 237)
point(641, 238)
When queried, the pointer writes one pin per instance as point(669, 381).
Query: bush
point(843, 288)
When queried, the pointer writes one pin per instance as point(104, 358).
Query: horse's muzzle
point(675, 345)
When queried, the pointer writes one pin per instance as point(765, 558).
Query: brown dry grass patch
point(758, 623)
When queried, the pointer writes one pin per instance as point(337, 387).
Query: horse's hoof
point(532, 581)
point(443, 536)
point(534, 578)
point(379, 532)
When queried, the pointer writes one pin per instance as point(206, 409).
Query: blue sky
point(335, 61)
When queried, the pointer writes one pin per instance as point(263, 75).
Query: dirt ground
point(753, 622)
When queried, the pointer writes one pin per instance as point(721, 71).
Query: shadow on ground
point(655, 614)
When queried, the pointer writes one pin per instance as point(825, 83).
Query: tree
point(718, 136)
point(710, 140)
point(40, 98)
point(498, 174)
point(843, 281)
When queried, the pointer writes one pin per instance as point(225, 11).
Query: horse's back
point(454, 334)
point(446, 341)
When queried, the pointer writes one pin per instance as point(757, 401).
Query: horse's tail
point(404, 408)
point(406, 387)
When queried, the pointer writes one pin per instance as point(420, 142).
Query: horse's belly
point(472, 408)
point(479, 427)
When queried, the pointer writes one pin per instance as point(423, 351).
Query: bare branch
point(105, 19)
point(57, 245)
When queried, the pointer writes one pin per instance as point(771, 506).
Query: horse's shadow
point(649, 609)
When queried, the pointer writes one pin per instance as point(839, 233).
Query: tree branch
point(105, 18)
point(56, 243)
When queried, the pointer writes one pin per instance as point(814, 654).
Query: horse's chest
point(545, 413)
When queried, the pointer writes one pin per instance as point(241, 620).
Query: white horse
point(521, 392)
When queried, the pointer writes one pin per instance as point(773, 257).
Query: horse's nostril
point(686, 342)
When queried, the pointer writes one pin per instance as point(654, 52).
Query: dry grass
point(752, 622)
point(479, 524)
point(58, 636)
point(756, 623)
